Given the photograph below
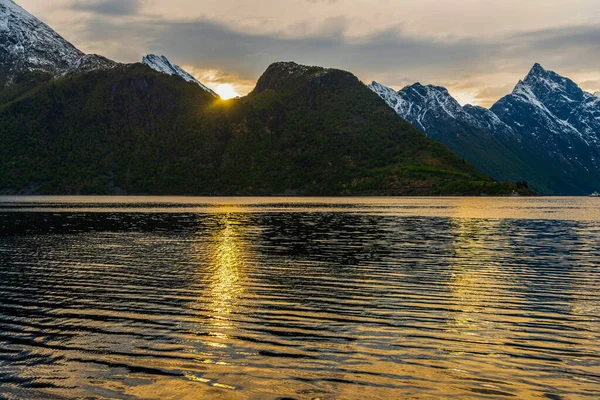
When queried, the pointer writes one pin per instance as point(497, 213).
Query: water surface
point(343, 298)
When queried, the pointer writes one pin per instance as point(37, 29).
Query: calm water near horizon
point(299, 298)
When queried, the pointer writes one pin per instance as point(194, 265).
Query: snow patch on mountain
point(392, 98)
point(426, 106)
point(542, 104)
point(547, 116)
point(546, 104)
point(163, 65)
point(29, 43)
point(26, 43)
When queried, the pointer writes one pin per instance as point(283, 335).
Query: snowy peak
point(554, 91)
point(548, 103)
point(392, 98)
point(163, 65)
point(433, 110)
point(436, 97)
point(427, 106)
point(382, 90)
point(547, 131)
point(26, 43)
point(539, 76)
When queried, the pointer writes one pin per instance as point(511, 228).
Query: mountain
point(545, 132)
point(27, 44)
point(473, 133)
point(597, 94)
point(424, 106)
point(162, 64)
point(560, 123)
point(303, 130)
point(331, 128)
point(72, 123)
point(545, 102)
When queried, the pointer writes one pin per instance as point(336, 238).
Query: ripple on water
point(299, 300)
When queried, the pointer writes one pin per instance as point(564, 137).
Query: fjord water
point(344, 298)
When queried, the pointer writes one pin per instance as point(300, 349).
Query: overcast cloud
point(479, 49)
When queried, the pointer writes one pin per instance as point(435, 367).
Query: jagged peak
point(416, 100)
point(161, 63)
point(29, 44)
point(537, 69)
point(540, 78)
point(549, 92)
point(427, 89)
point(377, 84)
point(11, 13)
point(432, 94)
point(381, 89)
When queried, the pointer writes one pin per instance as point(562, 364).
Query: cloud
point(210, 44)
point(322, 1)
point(483, 66)
point(487, 96)
point(108, 7)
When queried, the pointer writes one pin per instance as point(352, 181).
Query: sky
point(478, 49)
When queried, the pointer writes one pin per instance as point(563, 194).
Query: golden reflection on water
point(477, 287)
point(489, 309)
point(475, 279)
point(227, 261)
point(221, 261)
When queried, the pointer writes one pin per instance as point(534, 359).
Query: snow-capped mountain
point(556, 118)
point(547, 131)
point(422, 105)
point(162, 64)
point(545, 103)
point(26, 43)
point(426, 106)
point(465, 130)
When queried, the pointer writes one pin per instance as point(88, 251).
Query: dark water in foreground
point(299, 298)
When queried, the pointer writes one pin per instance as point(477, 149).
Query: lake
point(299, 298)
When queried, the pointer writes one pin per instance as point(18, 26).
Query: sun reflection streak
point(476, 283)
point(221, 258)
point(226, 273)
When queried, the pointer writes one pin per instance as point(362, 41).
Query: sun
point(226, 91)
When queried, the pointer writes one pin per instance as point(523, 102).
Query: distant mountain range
point(546, 132)
point(72, 123)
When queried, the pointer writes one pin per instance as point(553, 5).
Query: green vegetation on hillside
point(303, 130)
